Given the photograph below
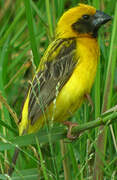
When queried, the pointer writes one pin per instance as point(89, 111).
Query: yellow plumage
point(75, 42)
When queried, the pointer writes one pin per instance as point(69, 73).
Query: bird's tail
point(14, 159)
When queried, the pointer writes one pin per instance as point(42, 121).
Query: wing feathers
point(58, 70)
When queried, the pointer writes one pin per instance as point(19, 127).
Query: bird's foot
point(70, 125)
point(90, 101)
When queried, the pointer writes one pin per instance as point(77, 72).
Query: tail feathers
point(15, 156)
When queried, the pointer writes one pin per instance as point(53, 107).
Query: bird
point(66, 71)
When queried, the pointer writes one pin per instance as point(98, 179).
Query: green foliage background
point(29, 25)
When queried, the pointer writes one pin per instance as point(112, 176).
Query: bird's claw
point(70, 125)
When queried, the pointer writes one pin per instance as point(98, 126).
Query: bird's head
point(83, 20)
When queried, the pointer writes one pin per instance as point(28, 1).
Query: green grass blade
point(12, 26)
point(55, 134)
point(42, 160)
point(39, 14)
point(2, 123)
point(49, 19)
point(111, 66)
point(30, 22)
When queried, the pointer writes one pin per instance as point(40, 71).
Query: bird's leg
point(90, 101)
point(70, 125)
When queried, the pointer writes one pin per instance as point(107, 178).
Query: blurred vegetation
point(26, 29)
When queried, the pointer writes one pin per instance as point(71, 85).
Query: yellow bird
point(67, 70)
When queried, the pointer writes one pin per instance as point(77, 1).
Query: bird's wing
point(49, 81)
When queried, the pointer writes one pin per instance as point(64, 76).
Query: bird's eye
point(86, 16)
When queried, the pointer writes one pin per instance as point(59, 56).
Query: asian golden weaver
point(67, 70)
point(68, 66)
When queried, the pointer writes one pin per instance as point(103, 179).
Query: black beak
point(99, 19)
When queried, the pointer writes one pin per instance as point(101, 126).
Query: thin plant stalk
point(102, 139)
